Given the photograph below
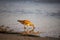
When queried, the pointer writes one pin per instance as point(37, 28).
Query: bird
point(27, 23)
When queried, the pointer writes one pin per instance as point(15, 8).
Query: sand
point(22, 37)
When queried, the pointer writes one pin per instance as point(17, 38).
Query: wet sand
point(22, 37)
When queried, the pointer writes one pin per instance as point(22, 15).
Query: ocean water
point(45, 16)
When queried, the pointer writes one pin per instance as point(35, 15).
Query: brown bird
point(27, 23)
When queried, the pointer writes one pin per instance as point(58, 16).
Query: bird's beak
point(18, 20)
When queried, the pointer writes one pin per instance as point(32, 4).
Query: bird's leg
point(28, 30)
point(24, 27)
point(32, 29)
